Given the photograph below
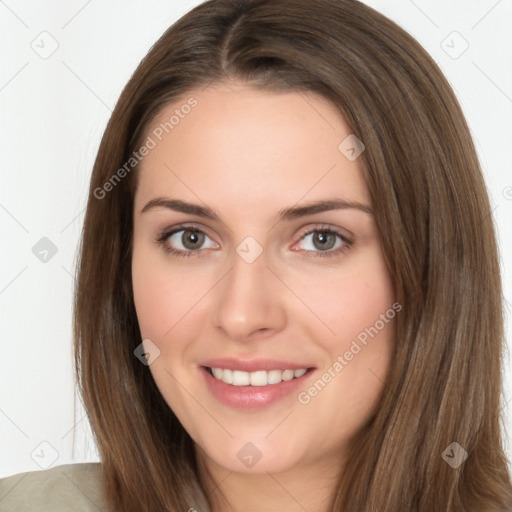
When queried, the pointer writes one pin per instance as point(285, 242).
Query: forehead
point(231, 144)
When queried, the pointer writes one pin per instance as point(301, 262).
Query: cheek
point(365, 298)
point(163, 294)
point(349, 301)
point(357, 338)
point(152, 300)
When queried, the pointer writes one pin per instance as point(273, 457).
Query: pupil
point(192, 239)
point(323, 240)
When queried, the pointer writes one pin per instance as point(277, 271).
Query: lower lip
point(252, 397)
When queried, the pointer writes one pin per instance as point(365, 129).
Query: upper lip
point(252, 365)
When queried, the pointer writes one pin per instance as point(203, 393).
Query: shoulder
point(70, 487)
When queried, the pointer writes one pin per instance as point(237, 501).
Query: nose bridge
point(246, 281)
point(244, 278)
point(247, 301)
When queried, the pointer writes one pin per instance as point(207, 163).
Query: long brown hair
point(435, 223)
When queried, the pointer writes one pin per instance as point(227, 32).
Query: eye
point(324, 241)
point(186, 241)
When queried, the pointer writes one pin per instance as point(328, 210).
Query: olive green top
point(66, 488)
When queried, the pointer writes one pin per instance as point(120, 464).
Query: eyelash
point(161, 239)
point(347, 244)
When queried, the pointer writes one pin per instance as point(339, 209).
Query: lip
point(252, 398)
point(252, 365)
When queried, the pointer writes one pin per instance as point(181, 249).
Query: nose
point(249, 301)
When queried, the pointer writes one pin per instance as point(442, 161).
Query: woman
point(288, 292)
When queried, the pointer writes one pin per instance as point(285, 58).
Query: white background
point(53, 113)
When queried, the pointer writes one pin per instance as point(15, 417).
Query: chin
point(241, 456)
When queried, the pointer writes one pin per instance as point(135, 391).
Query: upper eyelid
point(324, 227)
point(185, 227)
point(198, 227)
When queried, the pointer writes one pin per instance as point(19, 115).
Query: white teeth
point(257, 378)
point(288, 375)
point(274, 376)
point(240, 378)
point(226, 376)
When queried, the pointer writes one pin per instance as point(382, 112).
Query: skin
point(248, 154)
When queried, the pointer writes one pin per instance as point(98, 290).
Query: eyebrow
point(180, 206)
point(321, 206)
point(290, 213)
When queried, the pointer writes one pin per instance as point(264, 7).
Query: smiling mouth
point(256, 378)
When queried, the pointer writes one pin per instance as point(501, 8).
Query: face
point(260, 258)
